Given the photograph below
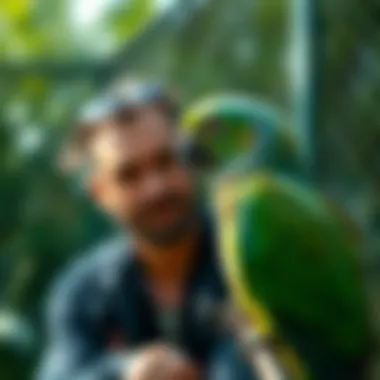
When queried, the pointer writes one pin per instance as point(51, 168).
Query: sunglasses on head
point(123, 108)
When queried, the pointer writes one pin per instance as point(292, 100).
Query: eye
point(127, 174)
point(166, 160)
point(126, 116)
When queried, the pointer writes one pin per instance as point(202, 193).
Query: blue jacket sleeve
point(75, 350)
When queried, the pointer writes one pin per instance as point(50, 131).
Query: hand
point(161, 362)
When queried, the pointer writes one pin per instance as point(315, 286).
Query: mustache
point(162, 201)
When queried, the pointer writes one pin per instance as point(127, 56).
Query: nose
point(155, 184)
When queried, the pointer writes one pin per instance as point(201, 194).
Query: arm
point(75, 350)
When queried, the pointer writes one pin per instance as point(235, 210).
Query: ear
point(98, 191)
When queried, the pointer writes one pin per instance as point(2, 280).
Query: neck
point(171, 262)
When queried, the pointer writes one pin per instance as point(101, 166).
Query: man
point(145, 307)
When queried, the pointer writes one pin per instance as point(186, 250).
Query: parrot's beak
point(203, 161)
point(197, 156)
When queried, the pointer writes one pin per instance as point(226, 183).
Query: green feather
point(297, 258)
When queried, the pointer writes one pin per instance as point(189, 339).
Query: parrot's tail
point(270, 358)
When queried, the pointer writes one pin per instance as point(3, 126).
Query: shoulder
point(83, 286)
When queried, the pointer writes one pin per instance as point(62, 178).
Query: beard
point(169, 235)
point(188, 212)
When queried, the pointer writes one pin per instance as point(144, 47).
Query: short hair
point(119, 103)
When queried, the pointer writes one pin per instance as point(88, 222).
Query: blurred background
point(319, 62)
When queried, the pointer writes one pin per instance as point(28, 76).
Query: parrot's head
point(238, 132)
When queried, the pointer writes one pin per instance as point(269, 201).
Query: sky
point(85, 14)
point(87, 23)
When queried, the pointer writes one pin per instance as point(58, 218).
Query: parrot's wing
point(286, 252)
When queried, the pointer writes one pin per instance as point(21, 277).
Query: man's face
point(139, 178)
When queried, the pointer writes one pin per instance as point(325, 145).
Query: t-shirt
point(168, 320)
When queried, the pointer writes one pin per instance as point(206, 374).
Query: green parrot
point(290, 255)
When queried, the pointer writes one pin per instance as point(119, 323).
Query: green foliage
point(46, 72)
point(48, 68)
point(140, 12)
